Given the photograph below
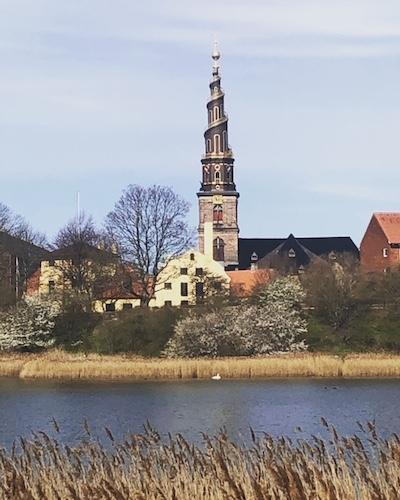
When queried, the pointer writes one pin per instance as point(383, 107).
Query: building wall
point(372, 250)
point(192, 260)
point(100, 306)
point(168, 291)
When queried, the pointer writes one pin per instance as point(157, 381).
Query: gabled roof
point(303, 256)
point(83, 250)
point(260, 246)
point(390, 225)
point(20, 248)
point(317, 246)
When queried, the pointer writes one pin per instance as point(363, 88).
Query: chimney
point(208, 239)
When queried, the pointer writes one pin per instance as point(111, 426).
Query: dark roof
point(20, 248)
point(317, 246)
point(261, 246)
point(83, 250)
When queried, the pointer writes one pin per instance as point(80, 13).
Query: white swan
point(216, 377)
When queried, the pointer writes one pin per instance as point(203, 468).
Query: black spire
point(218, 159)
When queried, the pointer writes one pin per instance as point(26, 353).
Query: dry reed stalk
point(146, 467)
point(62, 365)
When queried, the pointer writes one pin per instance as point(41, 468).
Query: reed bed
point(64, 366)
point(148, 467)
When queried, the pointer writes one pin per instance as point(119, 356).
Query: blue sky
point(97, 94)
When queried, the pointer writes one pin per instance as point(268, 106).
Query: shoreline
point(60, 365)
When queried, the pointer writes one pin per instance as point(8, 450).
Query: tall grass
point(62, 365)
point(147, 467)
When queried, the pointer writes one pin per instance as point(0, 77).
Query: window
point(127, 306)
point(224, 144)
point(52, 286)
point(217, 214)
point(184, 303)
point(167, 303)
point(292, 253)
point(168, 286)
point(184, 289)
point(216, 113)
point(385, 252)
point(199, 271)
point(110, 307)
point(184, 270)
point(219, 254)
point(192, 256)
point(199, 291)
point(217, 143)
point(217, 176)
point(208, 145)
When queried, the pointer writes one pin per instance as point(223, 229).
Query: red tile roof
point(245, 283)
point(390, 224)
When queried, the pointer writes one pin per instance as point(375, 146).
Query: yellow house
point(186, 280)
point(189, 279)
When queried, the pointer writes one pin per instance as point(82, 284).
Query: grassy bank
point(64, 366)
point(144, 467)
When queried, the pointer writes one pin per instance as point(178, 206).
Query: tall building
point(218, 198)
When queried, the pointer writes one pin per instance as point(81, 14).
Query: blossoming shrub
point(28, 326)
point(273, 325)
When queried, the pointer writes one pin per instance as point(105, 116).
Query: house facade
point(380, 246)
point(185, 281)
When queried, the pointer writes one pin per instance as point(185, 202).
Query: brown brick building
point(19, 261)
point(380, 246)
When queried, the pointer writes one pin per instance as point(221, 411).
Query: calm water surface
point(274, 406)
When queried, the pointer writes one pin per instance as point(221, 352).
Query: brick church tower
point(218, 198)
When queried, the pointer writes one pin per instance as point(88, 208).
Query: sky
point(99, 94)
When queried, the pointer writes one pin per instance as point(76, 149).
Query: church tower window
point(218, 214)
point(219, 250)
point(217, 143)
point(216, 113)
point(224, 144)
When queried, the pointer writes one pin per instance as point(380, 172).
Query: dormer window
point(292, 253)
point(254, 257)
point(385, 252)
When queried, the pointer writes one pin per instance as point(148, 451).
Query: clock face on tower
point(217, 187)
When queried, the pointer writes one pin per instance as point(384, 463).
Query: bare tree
point(331, 289)
point(149, 227)
point(85, 266)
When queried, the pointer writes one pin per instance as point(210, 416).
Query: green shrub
point(141, 331)
point(72, 330)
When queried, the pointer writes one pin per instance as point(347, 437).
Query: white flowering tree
point(287, 291)
point(272, 326)
point(28, 326)
point(206, 335)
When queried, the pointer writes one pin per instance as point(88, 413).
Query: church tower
point(218, 198)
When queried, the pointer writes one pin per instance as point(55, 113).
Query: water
point(276, 406)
